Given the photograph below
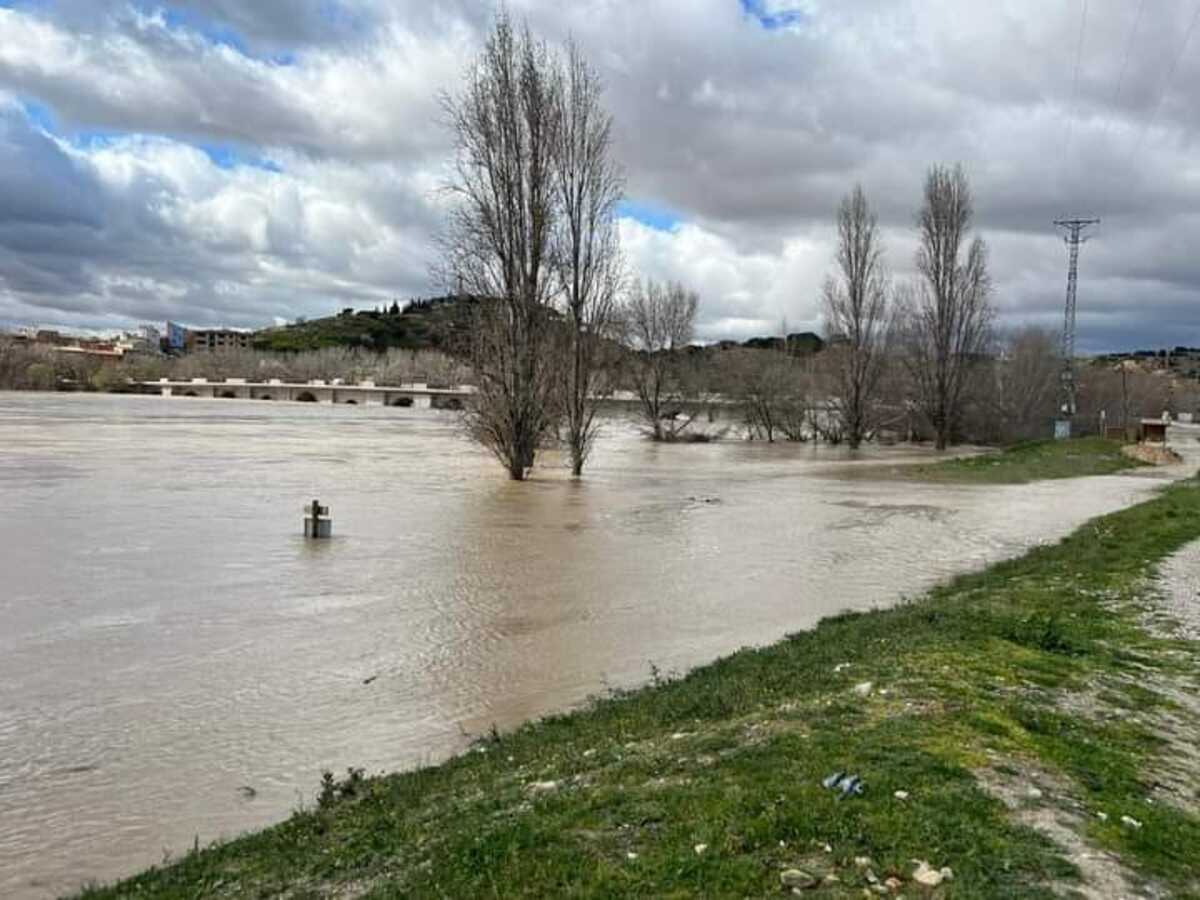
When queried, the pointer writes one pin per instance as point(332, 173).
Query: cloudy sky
point(235, 162)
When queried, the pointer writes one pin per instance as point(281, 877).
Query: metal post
point(317, 523)
point(1068, 393)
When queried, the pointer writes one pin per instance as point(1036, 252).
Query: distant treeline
point(36, 367)
point(1012, 395)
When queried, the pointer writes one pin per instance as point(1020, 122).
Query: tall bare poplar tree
point(500, 237)
point(947, 314)
point(588, 186)
point(857, 318)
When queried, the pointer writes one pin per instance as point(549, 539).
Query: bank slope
point(1031, 461)
point(1005, 727)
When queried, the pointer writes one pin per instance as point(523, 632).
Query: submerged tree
point(588, 187)
point(658, 321)
point(533, 239)
point(773, 391)
point(857, 319)
point(499, 243)
point(946, 314)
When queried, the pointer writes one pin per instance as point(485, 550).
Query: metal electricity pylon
point(1075, 229)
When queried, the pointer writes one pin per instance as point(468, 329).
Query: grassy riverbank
point(1031, 461)
point(1024, 701)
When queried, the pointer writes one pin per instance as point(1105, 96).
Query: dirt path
point(1051, 804)
point(1179, 579)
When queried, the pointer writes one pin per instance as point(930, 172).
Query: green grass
point(732, 756)
point(1031, 461)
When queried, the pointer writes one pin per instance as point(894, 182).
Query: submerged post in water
point(317, 523)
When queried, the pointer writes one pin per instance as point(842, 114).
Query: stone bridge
point(364, 393)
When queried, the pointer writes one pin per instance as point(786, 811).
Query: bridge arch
point(306, 397)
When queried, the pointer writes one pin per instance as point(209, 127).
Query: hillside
point(421, 325)
point(441, 323)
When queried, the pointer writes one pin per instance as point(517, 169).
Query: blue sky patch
point(772, 19)
point(229, 156)
point(655, 217)
point(91, 138)
point(222, 155)
point(39, 114)
point(214, 31)
point(211, 30)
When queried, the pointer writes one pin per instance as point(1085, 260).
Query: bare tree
point(946, 314)
point(772, 389)
point(588, 186)
point(1125, 392)
point(500, 237)
point(658, 321)
point(857, 318)
point(1025, 385)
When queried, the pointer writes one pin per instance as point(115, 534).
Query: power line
point(1074, 90)
point(1170, 79)
point(1075, 79)
point(1137, 22)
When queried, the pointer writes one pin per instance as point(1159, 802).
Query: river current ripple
point(178, 664)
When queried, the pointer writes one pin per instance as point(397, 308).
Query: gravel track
point(1179, 579)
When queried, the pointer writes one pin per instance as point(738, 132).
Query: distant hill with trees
point(439, 323)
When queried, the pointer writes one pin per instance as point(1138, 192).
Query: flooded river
point(178, 664)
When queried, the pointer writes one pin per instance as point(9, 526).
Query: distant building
point(48, 336)
point(213, 340)
point(147, 339)
point(176, 337)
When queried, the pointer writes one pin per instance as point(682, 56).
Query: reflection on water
point(169, 640)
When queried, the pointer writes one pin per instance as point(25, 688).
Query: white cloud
point(749, 135)
point(742, 293)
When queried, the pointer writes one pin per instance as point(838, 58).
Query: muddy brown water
point(178, 664)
